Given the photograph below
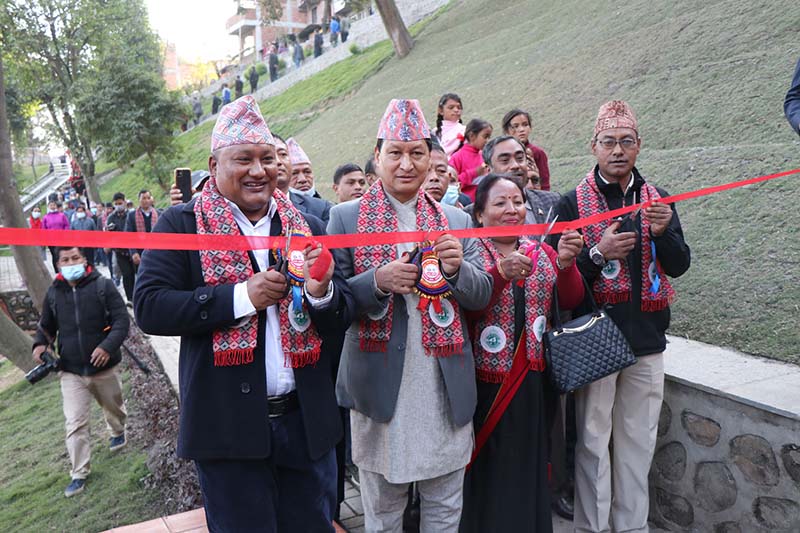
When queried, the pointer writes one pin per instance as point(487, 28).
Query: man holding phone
point(258, 410)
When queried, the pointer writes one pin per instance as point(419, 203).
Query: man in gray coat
point(407, 371)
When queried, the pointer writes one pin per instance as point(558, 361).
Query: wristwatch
point(597, 257)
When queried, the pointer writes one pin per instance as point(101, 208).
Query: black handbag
point(584, 349)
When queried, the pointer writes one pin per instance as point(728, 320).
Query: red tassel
point(301, 359)
point(612, 297)
point(490, 376)
point(367, 345)
point(538, 365)
point(437, 306)
point(233, 357)
point(442, 351)
point(650, 306)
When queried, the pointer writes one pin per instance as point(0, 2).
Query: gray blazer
point(369, 382)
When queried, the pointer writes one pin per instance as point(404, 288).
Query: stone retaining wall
point(19, 306)
point(723, 465)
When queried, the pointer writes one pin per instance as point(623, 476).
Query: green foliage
point(37, 470)
point(355, 49)
point(261, 68)
point(287, 114)
point(95, 65)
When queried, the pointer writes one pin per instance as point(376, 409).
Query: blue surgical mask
point(73, 272)
point(451, 195)
point(80, 214)
point(94, 210)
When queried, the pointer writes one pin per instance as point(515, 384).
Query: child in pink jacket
point(468, 160)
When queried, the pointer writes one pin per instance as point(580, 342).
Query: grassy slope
point(36, 469)
point(24, 177)
point(707, 81)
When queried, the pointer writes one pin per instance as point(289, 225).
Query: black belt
point(282, 405)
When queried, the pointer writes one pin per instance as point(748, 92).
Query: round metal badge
point(446, 317)
point(612, 269)
point(299, 320)
point(539, 325)
point(493, 339)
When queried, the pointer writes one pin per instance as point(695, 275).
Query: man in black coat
point(627, 264)
point(253, 79)
point(791, 106)
point(87, 313)
point(259, 422)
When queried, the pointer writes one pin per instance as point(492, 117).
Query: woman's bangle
point(500, 271)
point(558, 264)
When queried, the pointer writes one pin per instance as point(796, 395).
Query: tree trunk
point(395, 27)
point(326, 11)
point(29, 262)
point(15, 344)
point(33, 163)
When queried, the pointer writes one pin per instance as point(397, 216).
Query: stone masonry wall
point(18, 305)
point(724, 466)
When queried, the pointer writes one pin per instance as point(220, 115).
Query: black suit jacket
point(224, 412)
point(310, 205)
point(791, 106)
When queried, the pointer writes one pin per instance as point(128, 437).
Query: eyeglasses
point(608, 143)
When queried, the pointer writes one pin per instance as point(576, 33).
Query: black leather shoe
point(564, 507)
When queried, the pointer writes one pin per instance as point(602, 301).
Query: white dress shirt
point(280, 377)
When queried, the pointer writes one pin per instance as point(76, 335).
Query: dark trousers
point(341, 461)
point(54, 258)
point(287, 492)
point(128, 270)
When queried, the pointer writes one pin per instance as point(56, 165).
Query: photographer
point(87, 313)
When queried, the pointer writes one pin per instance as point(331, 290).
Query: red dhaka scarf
point(139, 219)
point(493, 335)
point(376, 215)
point(613, 285)
point(236, 345)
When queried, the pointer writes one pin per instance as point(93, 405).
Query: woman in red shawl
point(506, 488)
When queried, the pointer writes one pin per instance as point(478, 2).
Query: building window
point(313, 15)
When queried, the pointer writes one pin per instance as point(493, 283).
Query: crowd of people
point(385, 361)
point(68, 209)
point(338, 30)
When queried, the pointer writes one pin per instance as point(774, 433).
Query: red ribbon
point(183, 241)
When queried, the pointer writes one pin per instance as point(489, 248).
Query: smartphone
point(183, 179)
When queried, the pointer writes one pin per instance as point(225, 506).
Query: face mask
point(451, 195)
point(309, 192)
point(94, 210)
point(73, 272)
point(131, 210)
point(52, 210)
point(119, 208)
point(80, 215)
point(36, 214)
